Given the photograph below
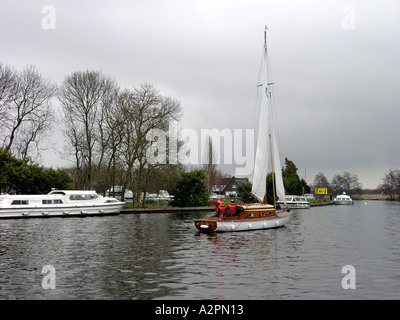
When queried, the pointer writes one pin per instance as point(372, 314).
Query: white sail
point(266, 127)
point(280, 189)
point(261, 163)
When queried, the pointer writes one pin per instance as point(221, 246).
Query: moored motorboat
point(295, 202)
point(58, 203)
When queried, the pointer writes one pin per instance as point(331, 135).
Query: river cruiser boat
point(295, 202)
point(258, 215)
point(343, 199)
point(58, 203)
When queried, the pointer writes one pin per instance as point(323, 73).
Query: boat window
point(83, 196)
point(262, 214)
point(20, 202)
point(111, 201)
point(50, 201)
point(251, 215)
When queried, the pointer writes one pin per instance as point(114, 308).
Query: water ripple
point(162, 256)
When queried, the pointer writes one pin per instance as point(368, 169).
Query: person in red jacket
point(232, 207)
point(222, 208)
point(216, 203)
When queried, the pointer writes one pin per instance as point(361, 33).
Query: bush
point(17, 176)
point(190, 189)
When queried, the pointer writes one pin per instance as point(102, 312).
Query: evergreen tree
point(17, 176)
point(291, 179)
point(190, 189)
point(244, 192)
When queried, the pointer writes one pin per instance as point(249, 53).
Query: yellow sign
point(321, 190)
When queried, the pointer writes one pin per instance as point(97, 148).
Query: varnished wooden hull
point(254, 217)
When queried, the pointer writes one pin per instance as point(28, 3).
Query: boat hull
point(296, 205)
point(343, 202)
point(214, 224)
point(62, 211)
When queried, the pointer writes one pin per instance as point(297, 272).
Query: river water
point(162, 256)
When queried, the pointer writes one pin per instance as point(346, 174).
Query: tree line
point(106, 128)
point(390, 183)
point(346, 180)
point(191, 188)
point(107, 131)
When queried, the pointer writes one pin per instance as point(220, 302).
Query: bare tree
point(81, 97)
point(348, 181)
point(26, 112)
point(109, 138)
point(144, 109)
point(320, 181)
point(391, 184)
point(7, 84)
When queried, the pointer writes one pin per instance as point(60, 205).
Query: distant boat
point(117, 193)
point(259, 215)
point(58, 203)
point(295, 202)
point(343, 199)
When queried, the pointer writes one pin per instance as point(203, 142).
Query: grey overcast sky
point(335, 64)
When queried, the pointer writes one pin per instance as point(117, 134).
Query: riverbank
point(374, 196)
point(320, 204)
point(164, 209)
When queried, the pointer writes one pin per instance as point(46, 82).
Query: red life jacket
point(222, 208)
point(232, 208)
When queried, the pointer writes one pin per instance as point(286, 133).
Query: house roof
point(229, 182)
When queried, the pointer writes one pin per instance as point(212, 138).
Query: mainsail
point(266, 127)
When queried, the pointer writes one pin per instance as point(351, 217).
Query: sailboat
point(256, 216)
